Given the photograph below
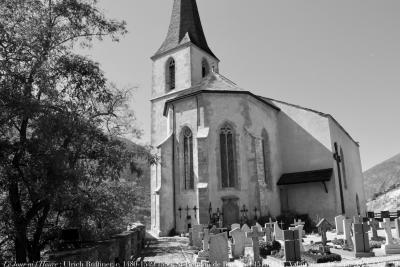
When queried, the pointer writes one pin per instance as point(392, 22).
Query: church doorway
point(230, 209)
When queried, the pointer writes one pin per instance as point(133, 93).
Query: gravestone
point(291, 246)
point(190, 237)
point(255, 234)
point(347, 233)
point(214, 230)
point(248, 241)
point(238, 245)
point(357, 219)
point(205, 235)
point(374, 224)
point(260, 229)
point(268, 237)
point(196, 230)
point(299, 228)
point(389, 247)
point(278, 233)
point(235, 225)
point(361, 240)
point(397, 224)
point(339, 224)
point(219, 250)
point(323, 226)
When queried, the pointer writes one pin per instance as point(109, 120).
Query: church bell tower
point(182, 61)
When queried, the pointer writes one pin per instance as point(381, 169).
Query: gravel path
point(169, 250)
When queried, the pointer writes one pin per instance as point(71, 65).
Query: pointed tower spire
point(185, 27)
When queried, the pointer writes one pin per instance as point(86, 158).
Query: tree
point(58, 114)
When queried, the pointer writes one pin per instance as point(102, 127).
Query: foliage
point(316, 256)
point(59, 121)
point(288, 219)
point(266, 248)
point(375, 244)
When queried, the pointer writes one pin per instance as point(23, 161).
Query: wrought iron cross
point(180, 212)
point(244, 210)
point(281, 224)
point(187, 211)
point(195, 211)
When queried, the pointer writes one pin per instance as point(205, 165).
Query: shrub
point(288, 218)
point(316, 256)
point(267, 247)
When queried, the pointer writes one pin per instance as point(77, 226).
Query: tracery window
point(227, 149)
point(188, 158)
point(171, 74)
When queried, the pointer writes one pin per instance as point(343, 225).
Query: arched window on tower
point(267, 159)
point(205, 68)
point(188, 158)
point(343, 168)
point(227, 150)
point(170, 74)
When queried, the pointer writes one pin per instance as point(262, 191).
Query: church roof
point(216, 83)
point(306, 177)
point(185, 27)
point(326, 115)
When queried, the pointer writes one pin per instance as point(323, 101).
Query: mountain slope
point(382, 177)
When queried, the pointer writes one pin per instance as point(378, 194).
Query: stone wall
point(122, 247)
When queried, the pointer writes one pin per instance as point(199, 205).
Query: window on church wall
point(205, 68)
point(227, 150)
point(188, 158)
point(343, 168)
point(171, 73)
point(266, 159)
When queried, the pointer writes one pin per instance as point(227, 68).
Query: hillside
point(388, 201)
point(382, 177)
point(138, 175)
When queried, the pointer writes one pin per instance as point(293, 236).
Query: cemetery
point(342, 242)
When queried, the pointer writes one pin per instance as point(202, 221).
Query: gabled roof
point(185, 27)
point(215, 83)
point(326, 115)
point(306, 177)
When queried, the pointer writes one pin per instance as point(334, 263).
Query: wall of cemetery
point(123, 247)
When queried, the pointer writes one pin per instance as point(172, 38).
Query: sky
point(340, 57)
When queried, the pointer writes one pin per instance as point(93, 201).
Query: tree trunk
point(21, 244)
point(34, 253)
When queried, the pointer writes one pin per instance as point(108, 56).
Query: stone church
point(227, 151)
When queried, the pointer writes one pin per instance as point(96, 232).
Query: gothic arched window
point(227, 148)
point(343, 168)
point(205, 68)
point(171, 72)
point(188, 158)
point(266, 159)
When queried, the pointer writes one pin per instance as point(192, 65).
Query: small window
point(170, 77)
point(205, 68)
point(227, 147)
point(188, 158)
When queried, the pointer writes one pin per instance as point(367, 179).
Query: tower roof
point(185, 27)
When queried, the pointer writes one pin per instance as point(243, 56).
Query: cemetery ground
point(176, 250)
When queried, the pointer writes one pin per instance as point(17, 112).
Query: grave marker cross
point(254, 234)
